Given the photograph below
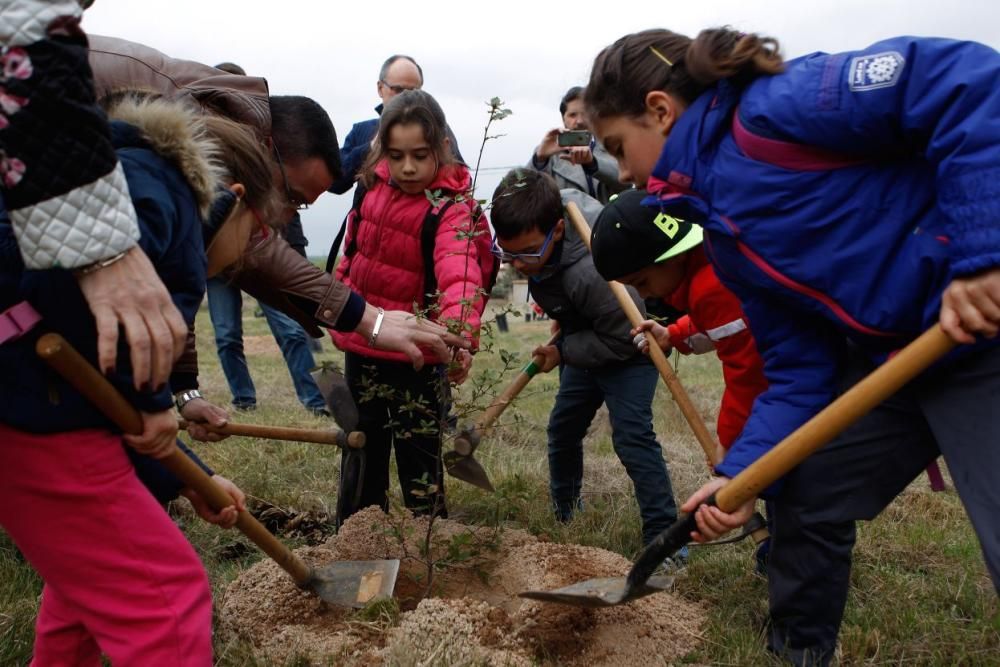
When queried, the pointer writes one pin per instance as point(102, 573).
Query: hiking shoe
point(674, 565)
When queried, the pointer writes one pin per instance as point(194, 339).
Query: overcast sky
point(525, 52)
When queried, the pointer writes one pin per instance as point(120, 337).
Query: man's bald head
point(399, 73)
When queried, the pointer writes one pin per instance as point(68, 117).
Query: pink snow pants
point(120, 577)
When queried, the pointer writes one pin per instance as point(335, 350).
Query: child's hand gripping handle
point(76, 370)
point(687, 408)
point(681, 397)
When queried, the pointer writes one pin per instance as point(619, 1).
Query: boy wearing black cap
point(598, 363)
point(663, 257)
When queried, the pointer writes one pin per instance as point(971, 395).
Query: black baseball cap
point(628, 236)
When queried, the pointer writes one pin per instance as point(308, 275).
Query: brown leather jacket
point(271, 271)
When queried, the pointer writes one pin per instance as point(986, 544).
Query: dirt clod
point(465, 612)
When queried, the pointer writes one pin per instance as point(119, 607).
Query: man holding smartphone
point(580, 162)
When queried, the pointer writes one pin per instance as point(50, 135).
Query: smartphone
point(574, 138)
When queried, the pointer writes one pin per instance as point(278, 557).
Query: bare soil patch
point(470, 615)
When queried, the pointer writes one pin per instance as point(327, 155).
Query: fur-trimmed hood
point(178, 135)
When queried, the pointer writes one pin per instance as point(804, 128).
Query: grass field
point(920, 594)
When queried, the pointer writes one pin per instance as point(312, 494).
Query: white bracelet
point(378, 326)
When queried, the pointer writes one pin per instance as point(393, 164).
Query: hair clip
point(660, 56)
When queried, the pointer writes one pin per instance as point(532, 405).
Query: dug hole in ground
point(470, 615)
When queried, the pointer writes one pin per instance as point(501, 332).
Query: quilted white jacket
point(64, 189)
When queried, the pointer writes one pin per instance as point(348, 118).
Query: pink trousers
point(120, 577)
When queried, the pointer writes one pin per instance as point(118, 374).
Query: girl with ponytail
point(850, 201)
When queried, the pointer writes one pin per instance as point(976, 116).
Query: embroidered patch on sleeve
point(879, 70)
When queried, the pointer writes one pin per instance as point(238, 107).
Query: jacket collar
point(703, 124)
point(172, 131)
point(451, 178)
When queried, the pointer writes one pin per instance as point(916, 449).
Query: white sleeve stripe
point(727, 330)
point(93, 222)
point(24, 22)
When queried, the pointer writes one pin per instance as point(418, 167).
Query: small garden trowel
point(460, 462)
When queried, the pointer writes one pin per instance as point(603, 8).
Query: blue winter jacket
point(863, 183)
point(32, 398)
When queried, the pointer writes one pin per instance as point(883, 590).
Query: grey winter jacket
point(595, 331)
point(573, 176)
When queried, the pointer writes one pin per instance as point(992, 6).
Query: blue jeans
point(628, 390)
point(225, 307)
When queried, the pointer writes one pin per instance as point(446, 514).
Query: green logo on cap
point(667, 224)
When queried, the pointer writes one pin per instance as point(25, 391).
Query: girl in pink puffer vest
point(410, 172)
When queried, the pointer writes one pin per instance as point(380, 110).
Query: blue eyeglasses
point(525, 257)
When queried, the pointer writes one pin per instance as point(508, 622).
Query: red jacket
point(387, 267)
point(715, 320)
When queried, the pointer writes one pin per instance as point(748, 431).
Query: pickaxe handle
point(333, 436)
point(463, 442)
point(681, 397)
point(65, 360)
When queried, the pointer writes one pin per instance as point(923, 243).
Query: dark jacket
point(32, 398)
point(355, 150)
point(595, 330)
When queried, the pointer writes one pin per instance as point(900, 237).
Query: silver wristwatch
point(185, 397)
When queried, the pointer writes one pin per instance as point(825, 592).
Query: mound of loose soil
point(469, 613)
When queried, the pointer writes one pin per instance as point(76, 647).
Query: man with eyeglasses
point(225, 307)
point(595, 354)
point(398, 73)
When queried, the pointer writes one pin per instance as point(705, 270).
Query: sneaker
point(320, 412)
point(245, 407)
point(673, 565)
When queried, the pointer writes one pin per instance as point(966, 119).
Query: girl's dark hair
point(410, 106)
point(525, 199)
point(625, 72)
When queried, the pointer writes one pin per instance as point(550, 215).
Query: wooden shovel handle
point(497, 407)
point(333, 436)
point(690, 412)
point(500, 403)
point(61, 356)
point(853, 404)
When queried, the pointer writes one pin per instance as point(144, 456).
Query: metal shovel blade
point(604, 592)
point(639, 583)
point(467, 469)
point(355, 583)
point(337, 395)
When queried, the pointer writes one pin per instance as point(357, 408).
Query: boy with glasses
point(598, 363)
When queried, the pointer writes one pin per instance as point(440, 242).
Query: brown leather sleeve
point(273, 273)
